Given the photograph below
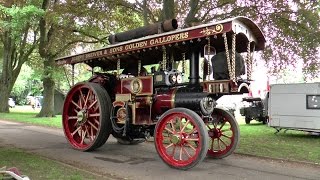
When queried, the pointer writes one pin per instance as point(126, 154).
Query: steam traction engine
point(174, 101)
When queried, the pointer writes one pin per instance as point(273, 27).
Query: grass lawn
point(36, 167)
point(260, 140)
point(28, 115)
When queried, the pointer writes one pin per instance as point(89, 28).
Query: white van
point(295, 106)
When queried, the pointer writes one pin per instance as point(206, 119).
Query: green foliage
point(63, 76)
point(27, 83)
point(16, 18)
point(126, 19)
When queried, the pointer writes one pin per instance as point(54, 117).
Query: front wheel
point(181, 138)
point(223, 133)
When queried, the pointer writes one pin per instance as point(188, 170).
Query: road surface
point(141, 162)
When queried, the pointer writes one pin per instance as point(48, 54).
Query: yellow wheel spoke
point(83, 135)
point(169, 130)
point(92, 104)
point(191, 146)
point(192, 139)
point(185, 151)
point(94, 115)
point(172, 126)
point(86, 101)
point(222, 124)
point(180, 154)
point(76, 105)
point(212, 142)
point(223, 142)
point(185, 125)
point(92, 125)
point(169, 145)
point(75, 131)
point(225, 136)
point(173, 150)
point(72, 117)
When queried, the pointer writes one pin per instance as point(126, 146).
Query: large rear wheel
point(223, 134)
point(181, 138)
point(86, 116)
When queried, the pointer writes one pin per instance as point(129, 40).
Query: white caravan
point(295, 106)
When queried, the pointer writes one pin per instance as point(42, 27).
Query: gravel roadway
point(141, 162)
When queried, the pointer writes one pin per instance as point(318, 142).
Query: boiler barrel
point(167, 25)
point(182, 97)
point(190, 100)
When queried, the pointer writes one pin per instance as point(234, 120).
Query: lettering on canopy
point(148, 43)
point(131, 47)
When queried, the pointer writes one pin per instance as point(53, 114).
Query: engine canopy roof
point(149, 49)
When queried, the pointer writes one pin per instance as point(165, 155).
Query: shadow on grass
point(255, 124)
point(298, 134)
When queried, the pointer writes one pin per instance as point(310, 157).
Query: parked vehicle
point(295, 106)
point(133, 104)
point(11, 103)
point(255, 110)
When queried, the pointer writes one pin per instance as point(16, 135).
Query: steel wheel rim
point(221, 135)
point(81, 116)
point(172, 143)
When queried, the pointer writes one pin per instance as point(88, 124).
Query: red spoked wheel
point(223, 133)
point(181, 138)
point(86, 116)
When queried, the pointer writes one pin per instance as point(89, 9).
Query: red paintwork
point(233, 86)
point(142, 111)
point(147, 85)
point(163, 101)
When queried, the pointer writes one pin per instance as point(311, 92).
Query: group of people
point(34, 102)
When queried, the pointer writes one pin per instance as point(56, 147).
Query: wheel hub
point(176, 139)
point(82, 116)
point(215, 133)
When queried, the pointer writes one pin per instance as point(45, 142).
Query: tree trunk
point(168, 9)
point(145, 13)
point(7, 77)
point(4, 95)
point(5, 90)
point(191, 19)
point(7, 80)
point(47, 109)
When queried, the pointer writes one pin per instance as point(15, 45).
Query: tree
point(70, 23)
point(19, 38)
point(1, 56)
point(291, 27)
